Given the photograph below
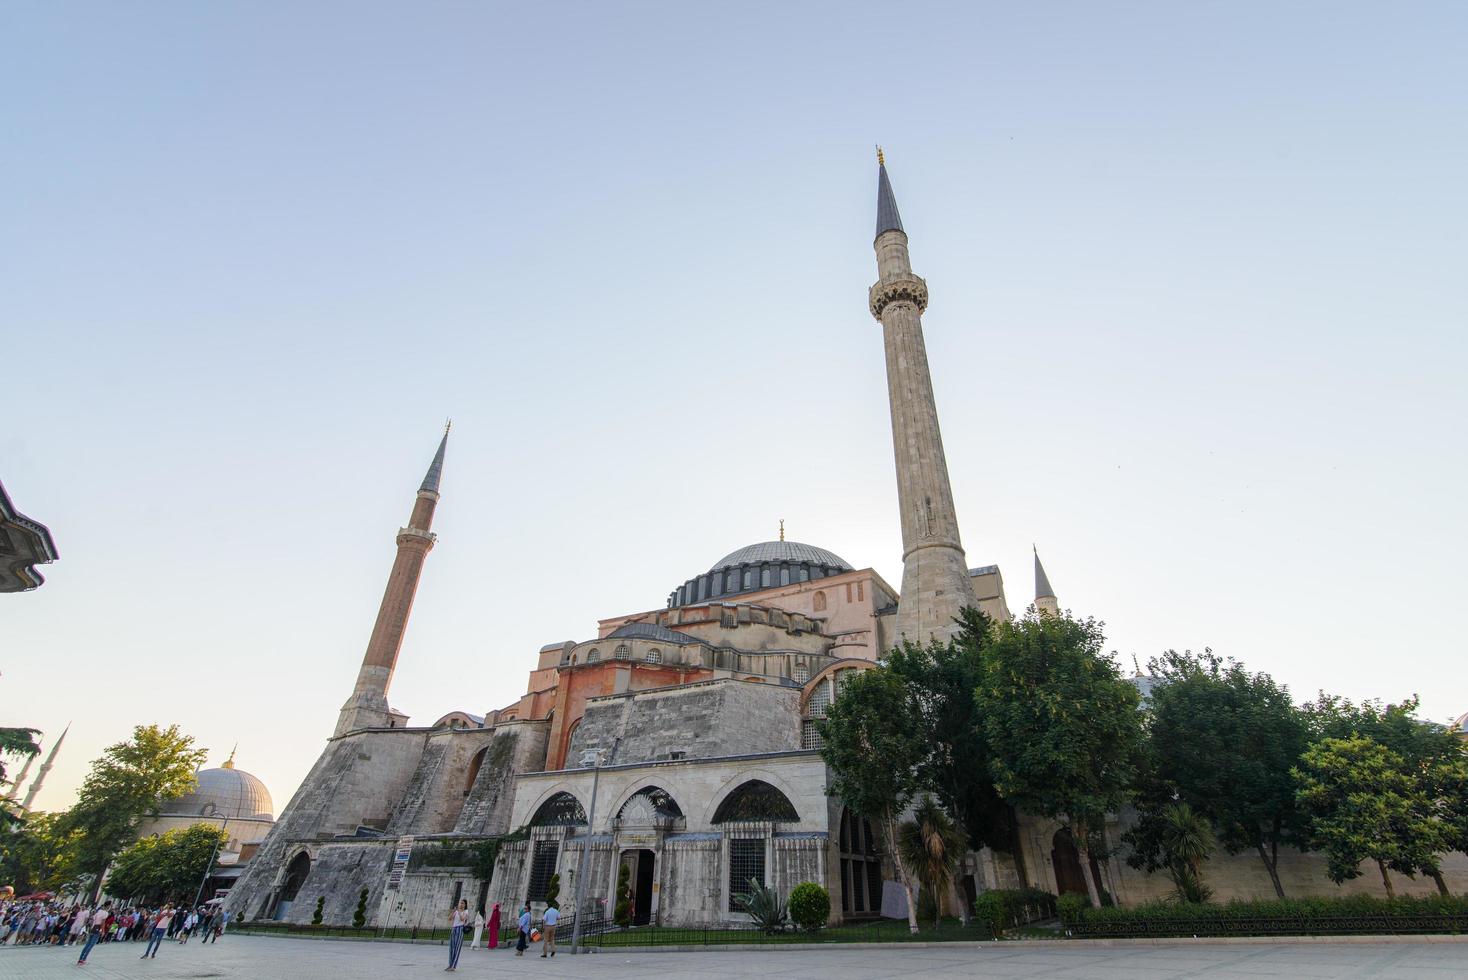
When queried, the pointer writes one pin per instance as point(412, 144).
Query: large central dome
point(767, 565)
point(777, 551)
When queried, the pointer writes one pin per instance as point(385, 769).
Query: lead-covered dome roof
point(223, 792)
point(766, 565)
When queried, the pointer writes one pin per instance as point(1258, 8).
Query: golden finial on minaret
point(782, 529)
point(229, 763)
point(881, 160)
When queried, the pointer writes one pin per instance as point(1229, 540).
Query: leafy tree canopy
point(127, 782)
point(166, 868)
point(39, 855)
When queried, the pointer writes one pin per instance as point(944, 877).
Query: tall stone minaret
point(935, 580)
point(30, 796)
point(1045, 600)
point(367, 707)
point(19, 780)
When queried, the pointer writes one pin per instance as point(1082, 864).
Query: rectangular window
point(542, 866)
point(861, 591)
point(746, 861)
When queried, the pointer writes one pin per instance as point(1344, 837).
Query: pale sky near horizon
point(1197, 329)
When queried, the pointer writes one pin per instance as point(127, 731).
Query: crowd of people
point(55, 923)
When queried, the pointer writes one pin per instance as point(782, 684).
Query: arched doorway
point(295, 876)
point(1069, 878)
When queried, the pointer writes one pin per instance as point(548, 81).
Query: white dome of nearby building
point(224, 792)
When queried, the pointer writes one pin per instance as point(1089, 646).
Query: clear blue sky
point(1197, 329)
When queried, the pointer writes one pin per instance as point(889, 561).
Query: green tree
point(1062, 725)
point(166, 868)
point(931, 845)
point(359, 917)
point(1363, 806)
point(39, 854)
point(129, 781)
point(1430, 753)
point(943, 678)
point(874, 747)
point(1224, 741)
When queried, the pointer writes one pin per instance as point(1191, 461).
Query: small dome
point(775, 551)
point(224, 792)
point(1461, 725)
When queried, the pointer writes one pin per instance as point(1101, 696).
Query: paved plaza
point(259, 958)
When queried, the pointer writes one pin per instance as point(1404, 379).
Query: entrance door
point(1067, 860)
point(642, 891)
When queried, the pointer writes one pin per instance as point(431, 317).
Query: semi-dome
point(223, 792)
point(766, 565)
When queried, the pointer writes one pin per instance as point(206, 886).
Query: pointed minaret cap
point(1042, 584)
point(435, 469)
point(887, 217)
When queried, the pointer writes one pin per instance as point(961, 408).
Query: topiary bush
point(810, 906)
point(359, 917)
point(622, 913)
point(320, 906)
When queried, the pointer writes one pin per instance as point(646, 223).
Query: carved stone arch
point(836, 666)
point(650, 806)
point(734, 782)
point(545, 797)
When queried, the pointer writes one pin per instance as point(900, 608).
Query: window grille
point(593, 656)
point(561, 810)
point(622, 653)
point(542, 866)
point(874, 886)
point(801, 673)
point(746, 861)
point(756, 800)
point(654, 656)
point(820, 700)
point(810, 736)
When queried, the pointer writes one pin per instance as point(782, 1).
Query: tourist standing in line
point(478, 927)
point(524, 938)
point(548, 924)
point(160, 929)
point(494, 927)
point(458, 919)
point(98, 926)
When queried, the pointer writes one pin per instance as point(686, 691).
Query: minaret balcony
point(414, 533)
point(906, 288)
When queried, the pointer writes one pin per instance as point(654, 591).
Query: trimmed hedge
point(810, 905)
point(1004, 908)
point(1357, 913)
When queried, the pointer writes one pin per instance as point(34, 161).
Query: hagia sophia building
point(695, 721)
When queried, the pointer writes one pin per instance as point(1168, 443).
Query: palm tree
point(1187, 840)
point(932, 844)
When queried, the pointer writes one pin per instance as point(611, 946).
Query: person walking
point(97, 922)
point(458, 919)
point(494, 927)
point(548, 930)
point(524, 938)
point(220, 921)
point(478, 927)
point(160, 929)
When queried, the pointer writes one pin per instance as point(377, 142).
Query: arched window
point(593, 655)
point(473, 772)
point(295, 876)
point(756, 800)
point(622, 652)
point(819, 602)
point(561, 810)
point(650, 807)
point(573, 660)
point(653, 656)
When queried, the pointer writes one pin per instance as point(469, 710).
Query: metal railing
point(1223, 927)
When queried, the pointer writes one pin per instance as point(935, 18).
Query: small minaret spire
point(25, 771)
point(1045, 600)
point(367, 707)
point(35, 789)
point(935, 579)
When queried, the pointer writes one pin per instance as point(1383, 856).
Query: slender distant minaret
point(20, 780)
point(1045, 600)
point(30, 797)
point(367, 707)
point(935, 579)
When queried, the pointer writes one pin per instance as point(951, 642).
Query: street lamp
point(595, 758)
point(210, 866)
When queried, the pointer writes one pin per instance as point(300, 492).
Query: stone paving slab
point(259, 958)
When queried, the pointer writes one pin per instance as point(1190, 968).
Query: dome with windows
point(766, 565)
point(223, 792)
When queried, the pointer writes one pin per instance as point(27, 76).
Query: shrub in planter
point(810, 905)
point(553, 892)
point(1069, 907)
